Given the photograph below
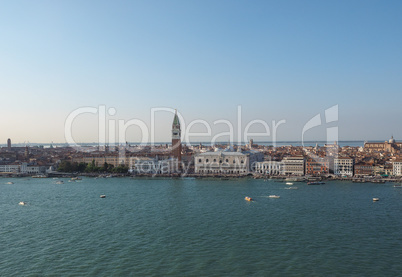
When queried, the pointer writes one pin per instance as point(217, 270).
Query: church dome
point(392, 140)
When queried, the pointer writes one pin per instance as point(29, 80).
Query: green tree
point(120, 169)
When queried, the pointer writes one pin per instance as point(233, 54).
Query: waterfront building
point(318, 166)
point(227, 162)
point(100, 160)
point(268, 167)
point(23, 168)
point(10, 168)
point(364, 169)
point(379, 169)
point(293, 165)
point(26, 168)
point(343, 166)
point(397, 167)
point(388, 169)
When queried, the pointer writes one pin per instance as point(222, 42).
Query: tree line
point(67, 166)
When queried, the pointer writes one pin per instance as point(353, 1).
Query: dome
point(392, 140)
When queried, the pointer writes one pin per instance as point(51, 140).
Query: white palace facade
point(226, 162)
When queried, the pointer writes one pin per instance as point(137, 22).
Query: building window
point(199, 160)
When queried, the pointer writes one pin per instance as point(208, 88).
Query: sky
point(275, 61)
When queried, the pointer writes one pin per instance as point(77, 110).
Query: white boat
point(289, 184)
point(22, 203)
point(9, 183)
point(103, 196)
point(274, 196)
point(59, 182)
point(292, 188)
point(376, 199)
point(398, 186)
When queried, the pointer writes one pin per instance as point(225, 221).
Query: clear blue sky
point(277, 59)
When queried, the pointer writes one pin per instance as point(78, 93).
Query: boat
point(103, 196)
point(274, 196)
point(75, 178)
point(39, 176)
point(248, 198)
point(59, 182)
point(376, 199)
point(292, 188)
point(22, 203)
point(289, 183)
point(315, 183)
point(398, 186)
point(9, 183)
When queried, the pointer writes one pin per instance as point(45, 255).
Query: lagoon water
point(193, 227)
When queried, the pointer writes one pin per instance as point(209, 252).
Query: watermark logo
point(319, 164)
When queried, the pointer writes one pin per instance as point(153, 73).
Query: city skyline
point(277, 60)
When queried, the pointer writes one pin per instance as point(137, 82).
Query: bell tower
point(176, 140)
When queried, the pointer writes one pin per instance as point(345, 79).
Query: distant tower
point(176, 139)
point(9, 144)
point(26, 152)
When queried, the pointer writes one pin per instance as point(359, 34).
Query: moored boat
point(39, 176)
point(315, 183)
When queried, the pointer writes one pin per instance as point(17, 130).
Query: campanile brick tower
point(176, 140)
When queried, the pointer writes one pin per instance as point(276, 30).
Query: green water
point(188, 227)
